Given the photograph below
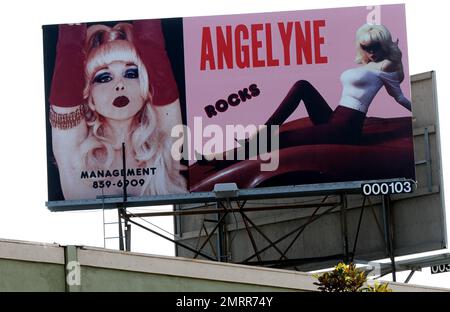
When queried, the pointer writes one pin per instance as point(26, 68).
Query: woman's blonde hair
point(150, 146)
point(372, 33)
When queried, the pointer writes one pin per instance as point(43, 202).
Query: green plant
point(347, 278)
point(377, 287)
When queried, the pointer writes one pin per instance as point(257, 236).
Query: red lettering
point(241, 46)
point(207, 53)
point(270, 60)
point(286, 40)
point(224, 47)
point(256, 44)
point(318, 40)
point(303, 42)
point(242, 51)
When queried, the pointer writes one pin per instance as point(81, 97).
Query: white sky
point(23, 157)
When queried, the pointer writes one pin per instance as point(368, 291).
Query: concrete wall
point(26, 266)
point(418, 219)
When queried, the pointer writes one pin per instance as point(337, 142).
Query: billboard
point(178, 105)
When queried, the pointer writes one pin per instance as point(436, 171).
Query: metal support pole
point(428, 159)
point(221, 236)
point(226, 246)
point(344, 227)
point(178, 222)
point(103, 213)
point(409, 276)
point(358, 230)
point(128, 237)
point(388, 233)
point(119, 213)
point(104, 229)
point(122, 211)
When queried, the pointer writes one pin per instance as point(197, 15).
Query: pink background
point(206, 87)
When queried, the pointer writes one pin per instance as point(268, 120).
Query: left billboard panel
point(114, 91)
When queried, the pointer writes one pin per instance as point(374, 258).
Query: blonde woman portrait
point(113, 86)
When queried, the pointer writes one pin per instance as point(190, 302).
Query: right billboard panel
point(300, 97)
point(312, 238)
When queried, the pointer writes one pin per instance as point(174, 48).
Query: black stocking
point(318, 109)
point(344, 127)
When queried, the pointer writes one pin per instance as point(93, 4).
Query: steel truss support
point(344, 228)
point(389, 232)
point(228, 192)
point(409, 276)
point(219, 251)
point(224, 207)
point(250, 225)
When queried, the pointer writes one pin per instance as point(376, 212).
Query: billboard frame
point(117, 201)
point(439, 156)
point(113, 201)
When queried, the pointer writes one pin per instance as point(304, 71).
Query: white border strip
point(30, 251)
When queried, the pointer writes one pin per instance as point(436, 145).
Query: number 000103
point(443, 268)
point(384, 188)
